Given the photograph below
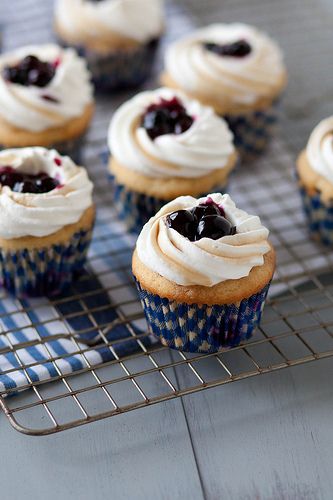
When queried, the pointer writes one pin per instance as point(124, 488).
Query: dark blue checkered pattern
point(320, 217)
point(252, 131)
point(80, 317)
point(95, 307)
point(120, 69)
point(202, 328)
point(46, 270)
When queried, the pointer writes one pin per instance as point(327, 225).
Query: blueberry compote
point(26, 183)
point(30, 71)
point(206, 220)
point(166, 117)
point(240, 48)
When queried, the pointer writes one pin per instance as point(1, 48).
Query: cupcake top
point(202, 242)
point(85, 21)
point(228, 64)
point(40, 192)
point(319, 150)
point(163, 133)
point(42, 87)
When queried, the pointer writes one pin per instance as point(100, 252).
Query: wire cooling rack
point(297, 326)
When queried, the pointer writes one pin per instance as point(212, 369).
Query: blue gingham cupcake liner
point(121, 69)
point(135, 209)
point(319, 216)
point(252, 131)
point(44, 271)
point(202, 328)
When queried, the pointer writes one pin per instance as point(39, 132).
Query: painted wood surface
point(268, 438)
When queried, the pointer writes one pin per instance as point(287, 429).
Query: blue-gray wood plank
point(266, 438)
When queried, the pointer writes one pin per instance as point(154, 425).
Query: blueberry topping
point(184, 222)
point(213, 227)
point(26, 183)
point(207, 220)
point(166, 117)
point(241, 48)
point(204, 209)
point(30, 71)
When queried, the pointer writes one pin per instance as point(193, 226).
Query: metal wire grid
point(297, 326)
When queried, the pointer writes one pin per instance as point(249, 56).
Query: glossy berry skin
point(184, 222)
point(25, 183)
point(206, 220)
point(213, 227)
point(241, 48)
point(30, 71)
point(205, 209)
point(166, 117)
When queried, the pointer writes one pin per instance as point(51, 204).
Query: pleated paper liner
point(253, 131)
point(120, 69)
point(202, 328)
point(319, 216)
point(44, 271)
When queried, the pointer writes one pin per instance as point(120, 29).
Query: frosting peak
point(36, 108)
point(31, 214)
point(214, 74)
point(319, 149)
point(82, 20)
point(205, 262)
point(205, 146)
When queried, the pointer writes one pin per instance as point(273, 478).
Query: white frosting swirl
point(28, 214)
point(242, 80)
point(139, 20)
point(204, 147)
point(26, 108)
point(319, 149)
point(205, 262)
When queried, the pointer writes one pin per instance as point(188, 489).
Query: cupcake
point(118, 37)
point(163, 145)
point(46, 220)
point(45, 98)
point(203, 269)
point(315, 175)
point(237, 70)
